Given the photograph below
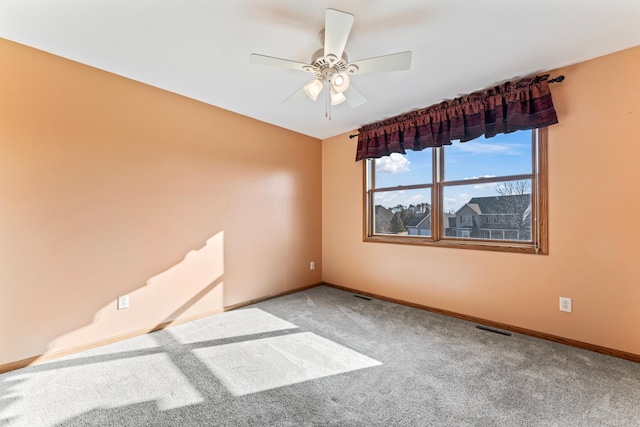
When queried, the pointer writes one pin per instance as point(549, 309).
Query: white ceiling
point(200, 48)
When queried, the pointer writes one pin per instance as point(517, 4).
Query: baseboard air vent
point(495, 331)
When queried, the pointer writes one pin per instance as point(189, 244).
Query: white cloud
point(395, 163)
point(485, 186)
point(390, 198)
point(418, 198)
point(452, 204)
point(489, 185)
point(477, 177)
point(405, 198)
point(488, 148)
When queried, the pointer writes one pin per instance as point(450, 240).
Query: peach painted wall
point(112, 187)
point(594, 174)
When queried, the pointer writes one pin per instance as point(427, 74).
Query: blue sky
point(504, 154)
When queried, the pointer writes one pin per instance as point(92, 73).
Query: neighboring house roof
point(417, 221)
point(517, 207)
point(474, 207)
point(499, 204)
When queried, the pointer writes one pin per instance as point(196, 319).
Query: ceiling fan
point(331, 67)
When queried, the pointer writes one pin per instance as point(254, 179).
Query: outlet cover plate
point(565, 304)
point(123, 302)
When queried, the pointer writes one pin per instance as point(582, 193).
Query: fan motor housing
point(322, 67)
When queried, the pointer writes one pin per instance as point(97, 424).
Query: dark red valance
point(517, 105)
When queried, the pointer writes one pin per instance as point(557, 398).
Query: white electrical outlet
point(123, 302)
point(312, 265)
point(565, 304)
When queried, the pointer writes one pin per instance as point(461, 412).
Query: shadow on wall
point(192, 287)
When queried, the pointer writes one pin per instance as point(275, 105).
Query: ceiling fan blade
point(337, 27)
point(354, 97)
point(255, 58)
point(297, 97)
point(394, 62)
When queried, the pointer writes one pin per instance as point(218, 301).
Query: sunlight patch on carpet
point(231, 324)
point(257, 365)
point(60, 394)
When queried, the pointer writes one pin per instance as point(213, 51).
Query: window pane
point(404, 169)
point(502, 155)
point(495, 211)
point(405, 212)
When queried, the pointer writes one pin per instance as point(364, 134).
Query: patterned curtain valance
point(516, 105)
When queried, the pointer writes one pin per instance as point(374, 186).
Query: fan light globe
point(340, 82)
point(313, 89)
point(337, 98)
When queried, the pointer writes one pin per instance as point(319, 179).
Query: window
point(483, 194)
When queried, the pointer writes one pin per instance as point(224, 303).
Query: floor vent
point(495, 331)
point(361, 297)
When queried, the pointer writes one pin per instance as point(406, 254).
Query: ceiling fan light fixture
point(313, 89)
point(337, 98)
point(331, 67)
point(340, 82)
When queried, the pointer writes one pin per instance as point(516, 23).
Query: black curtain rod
point(553, 80)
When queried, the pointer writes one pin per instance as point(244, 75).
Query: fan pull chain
point(327, 104)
